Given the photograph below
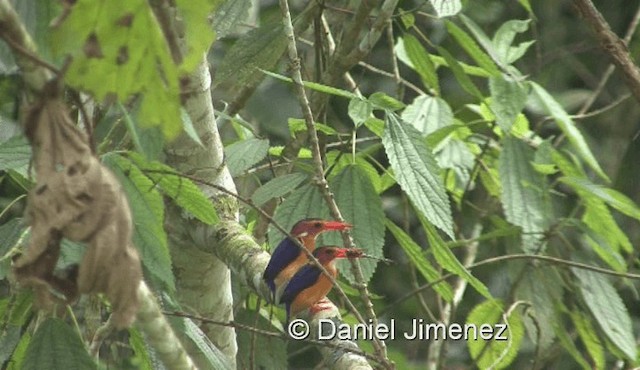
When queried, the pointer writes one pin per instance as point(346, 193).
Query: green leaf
point(567, 126)
point(258, 49)
point(56, 346)
point(277, 187)
point(19, 354)
point(567, 343)
point(495, 354)
point(381, 100)
point(589, 338)
point(417, 172)
point(375, 125)
point(243, 154)
point(15, 154)
point(428, 114)
point(460, 74)
point(361, 206)
point(421, 62)
point(119, 49)
point(416, 256)
point(270, 353)
point(445, 258)
point(470, 46)
point(446, 8)
point(297, 125)
point(189, 129)
point(523, 192)
point(607, 308)
point(359, 111)
point(180, 189)
point(229, 16)
point(198, 34)
point(315, 86)
point(482, 38)
point(137, 343)
point(612, 197)
point(147, 210)
point(504, 37)
point(540, 287)
point(599, 218)
point(508, 98)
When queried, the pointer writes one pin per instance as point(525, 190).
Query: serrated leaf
point(360, 206)
point(416, 256)
point(198, 34)
point(460, 74)
point(567, 126)
point(109, 58)
point(522, 193)
point(540, 288)
point(315, 86)
point(504, 37)
point(381, 100)
point(598, 217)
point(56, 346)
point(147, 211)
point(612, 197)
point(495, 354)
point(417, 172)
point(421, 62)
point(229, 15)
point(359, 111)
point(428, 114)
point(470, 46)
point(589, 338)
point(180, 189)
point(508, 98)
point(214, 358)
point(567, 343)
point(277, 187)
point(446, 8)
point(445, 258)
point(242, 155)
point(15, 154)
point(258, 49)
point(608, 310)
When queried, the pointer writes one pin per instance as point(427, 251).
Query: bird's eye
point(317, 225)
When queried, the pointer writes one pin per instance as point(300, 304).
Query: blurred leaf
point(598, 217)
point(188, 127)
point(297, 124)
point(19, 354)
point(147, 211)
point(568, 127)
point(277, 187)
point(612, 197)
point(523, 192)
point(482, 38)
point(304, 202)
point(258, 49)
point(15, 154)
point(445, 258)
point(460, 74)
point(418, 259)
point(428, 114)
point(508, 98)
point(421, 62)
point(417, 172)
point(541, 287)
point(137, 343)
point(504, 37)
point(446, 8)
point(375, 125)
point(229, 15)
point(359, 111)
point(608, 310)
point(268, 352)
point(360, 206)
point(381, 100)
point(470, 46)
point(315, 86)
point(243, 154)
point(567, 343)
point(493, 353)
point(56, 346)
point(197, 33)
point(589, 338)
point(109, 57)
point(180, 189)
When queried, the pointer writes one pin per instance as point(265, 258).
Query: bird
point(309, 285)
point(288, 258)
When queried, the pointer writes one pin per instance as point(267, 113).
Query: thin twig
point(378, 345)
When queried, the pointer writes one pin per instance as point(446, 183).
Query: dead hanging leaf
point(77, 198)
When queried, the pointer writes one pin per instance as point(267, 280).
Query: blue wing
point(305, 277)
point(286, 252)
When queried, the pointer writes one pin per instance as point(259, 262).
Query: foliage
point(472, 132)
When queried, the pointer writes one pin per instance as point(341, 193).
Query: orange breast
point(313, 294)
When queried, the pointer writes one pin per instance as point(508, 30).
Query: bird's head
point(311, 227)
point(327, 254)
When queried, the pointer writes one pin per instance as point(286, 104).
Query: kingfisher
point(309, 285)
point(287, 258)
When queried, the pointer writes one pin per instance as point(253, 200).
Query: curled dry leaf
point(77, 198)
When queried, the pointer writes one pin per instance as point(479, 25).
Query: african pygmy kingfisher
point(287, 258)
point(309, 285)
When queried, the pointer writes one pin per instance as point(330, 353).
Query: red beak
point(336, 225)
